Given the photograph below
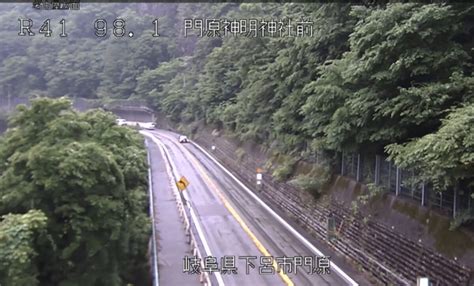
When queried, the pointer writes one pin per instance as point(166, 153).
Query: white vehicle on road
point(121, 121)
point(183, 139)
point(147, 125)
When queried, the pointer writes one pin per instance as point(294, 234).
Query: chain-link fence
point(409, 186)
point(444, 201)
point(367, 169)
point(404, 183)
point(466, 202)
point(387, 175)
point(350, 165)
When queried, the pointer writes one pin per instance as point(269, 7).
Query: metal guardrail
point(152, 214)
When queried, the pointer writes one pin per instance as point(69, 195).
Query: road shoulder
point(172, 240)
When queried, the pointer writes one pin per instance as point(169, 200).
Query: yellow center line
point(237, 217)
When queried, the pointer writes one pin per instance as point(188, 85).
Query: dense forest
point(393, 79)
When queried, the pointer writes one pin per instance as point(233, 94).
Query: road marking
point(308, 244)
point(234, 213)
point(200, 232)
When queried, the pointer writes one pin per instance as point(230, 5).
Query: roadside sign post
point(259, 179)
point(422, 281)
point(182, 184)
point(331, 227)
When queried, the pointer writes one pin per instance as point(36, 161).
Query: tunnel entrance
point(134, 115)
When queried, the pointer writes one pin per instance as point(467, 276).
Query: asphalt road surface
point(236, 225)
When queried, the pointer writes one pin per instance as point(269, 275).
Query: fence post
point(377, 170)
point(342, 163)
point(397, 181)
point(423, 193)
point(358, 168)
point(455, 195)
point(352, 171)
point(469, 198)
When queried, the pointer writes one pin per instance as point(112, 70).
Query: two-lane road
point(236, 224)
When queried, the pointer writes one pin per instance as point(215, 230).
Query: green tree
point(298, 63)
point(405, 68)
point(444, 157)
point(17, 247)
point(87, 175)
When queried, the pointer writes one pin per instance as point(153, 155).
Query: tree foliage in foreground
point(17, 253)
point(87, 177)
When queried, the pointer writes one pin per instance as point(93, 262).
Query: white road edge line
point(152, 213)
point(344, 275)
point(194, 218)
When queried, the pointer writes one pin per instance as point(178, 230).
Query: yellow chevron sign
point(182, 183)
